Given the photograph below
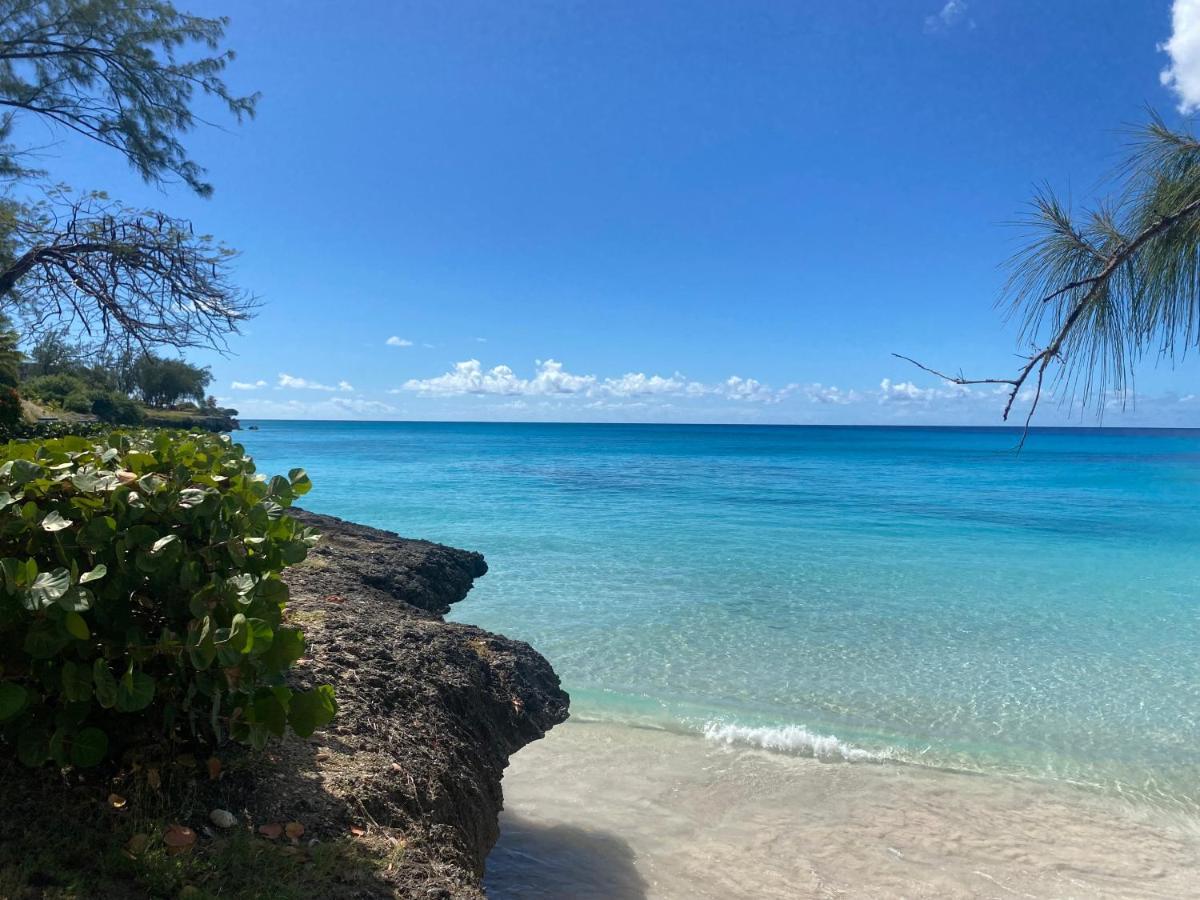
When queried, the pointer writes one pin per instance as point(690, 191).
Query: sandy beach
point(599, 810)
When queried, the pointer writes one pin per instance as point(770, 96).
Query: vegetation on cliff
point(142, 603)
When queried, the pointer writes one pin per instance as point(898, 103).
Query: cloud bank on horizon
point(552, 392)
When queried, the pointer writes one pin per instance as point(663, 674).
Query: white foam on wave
point(795, 739)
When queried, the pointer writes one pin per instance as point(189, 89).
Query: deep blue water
point(925, 595)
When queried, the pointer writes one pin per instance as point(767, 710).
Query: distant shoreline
point(966, 429)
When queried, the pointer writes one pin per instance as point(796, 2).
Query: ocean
point(821, 661)
point(920, 597)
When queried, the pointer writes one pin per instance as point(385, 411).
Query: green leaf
point(12, 700)
point(262, 636)
point(97, 533)
point(89, 747)
point(106, 685)
point(94, 575)
point(163, 542)
point(77, 626)
point(141, 536)
point(76, 600)
point(310, 710)
point(273, 591)
point(200, 646)
point(21, 471)
point(286, 647)
point(76, 682)
point(280, 490)
point(135, 691)
point(269, 711)
point(14, 574)
point(240, 638)
point(293, 552)
point(301, 484)
point(190, 498)
point(55, 522)
point(241, 584)
point(87, 482)
point(49, 586)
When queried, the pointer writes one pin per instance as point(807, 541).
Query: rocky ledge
point(399, 796)
point(429, 710)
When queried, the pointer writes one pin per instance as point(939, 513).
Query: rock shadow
point(533, 860)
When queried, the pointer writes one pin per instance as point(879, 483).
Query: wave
point(794, 739)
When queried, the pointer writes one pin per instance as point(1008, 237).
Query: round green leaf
point(43, 640)
point(301, 484)
point(135, 691)
point(47, 587)
point(55, 522)
point(294, 552)
point(21, 471)
point(310, 710)
point(261, 634)
point(89, 747)
point(269, 711)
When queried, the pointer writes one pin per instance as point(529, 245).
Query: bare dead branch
point(139, 276)
point(1096, 284)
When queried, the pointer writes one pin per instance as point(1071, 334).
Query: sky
point(658, 211)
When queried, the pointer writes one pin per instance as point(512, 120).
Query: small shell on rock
point(222, 818)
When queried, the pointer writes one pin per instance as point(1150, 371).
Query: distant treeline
point(123, 387)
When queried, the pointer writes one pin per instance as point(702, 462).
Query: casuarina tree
point(1098, 292)
point(128, 75)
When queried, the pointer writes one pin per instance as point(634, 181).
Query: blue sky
point(656, 211)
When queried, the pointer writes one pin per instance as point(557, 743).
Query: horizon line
point(1004, 428)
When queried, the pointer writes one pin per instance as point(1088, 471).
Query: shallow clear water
point(922, 595)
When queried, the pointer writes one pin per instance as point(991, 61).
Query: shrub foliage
point(141, 596)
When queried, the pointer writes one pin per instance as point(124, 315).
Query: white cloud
point(395, 341)
point(248, 385)
point(1183, 47)
point(324, 408)
point(552, 379)
point(951, 14)
point(469, 377)
point(907, 392)
point(635, 384)
point(819, 393)
point(738, 388)
point(293, 381)
point(480, 340)
point(554, 393)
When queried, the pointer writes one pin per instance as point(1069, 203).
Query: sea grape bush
point(141, 599)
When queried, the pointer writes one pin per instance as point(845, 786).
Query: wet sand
point(605, 811)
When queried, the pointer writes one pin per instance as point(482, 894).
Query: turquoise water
point(922, 595)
